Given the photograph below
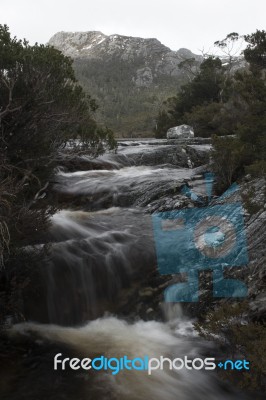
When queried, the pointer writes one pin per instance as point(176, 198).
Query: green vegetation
point(41, 108)
point(130, 111)
point(229, 155)
point(193, 100)
point(229, 103)
point(226, 100)
point(249, 196)
point(239, 337)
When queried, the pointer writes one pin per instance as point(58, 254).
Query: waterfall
point(101, 250)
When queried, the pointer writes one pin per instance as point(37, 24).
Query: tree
point(255, 53)
point(190, 66)
point(41, 104)
point(231, 46)
point(233, 328)
point(226, 99)
point(166, 117)
point(252, 88)
point(42, 109)
point(202, 90)
point(228, 156)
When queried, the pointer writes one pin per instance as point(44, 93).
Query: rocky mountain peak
point(94, 44)
point(129, 76)
point(76, 44)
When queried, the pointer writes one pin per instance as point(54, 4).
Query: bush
point(229, 326)
point(229, 155)
point(257, 169)
point(41, 108)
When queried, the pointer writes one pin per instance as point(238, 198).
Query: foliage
point(42, 108)
point(166, 117)
point(206, 119)
point(247, 152)
point(203, 90)
point(257, 169)
point(230, 327)
point(128, 109)
point(229, 155)
point(249, 196)
point(230, 46)
point(255, 53)
point(190, 66)
point(220, 102)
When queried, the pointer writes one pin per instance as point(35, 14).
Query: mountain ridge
point(129, 76)
point(72, 43)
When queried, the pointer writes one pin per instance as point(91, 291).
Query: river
point(102, 248)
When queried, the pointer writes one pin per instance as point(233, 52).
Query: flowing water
point(100, 245)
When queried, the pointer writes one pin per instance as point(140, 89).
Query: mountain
point(130, 77)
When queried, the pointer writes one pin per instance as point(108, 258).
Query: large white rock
point(180, 132)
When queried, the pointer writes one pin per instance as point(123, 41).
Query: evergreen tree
point(42, 109)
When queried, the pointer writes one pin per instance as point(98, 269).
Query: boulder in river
point(180, 132)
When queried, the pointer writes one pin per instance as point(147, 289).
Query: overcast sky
point(194, 24)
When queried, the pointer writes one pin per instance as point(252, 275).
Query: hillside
point(130, 77)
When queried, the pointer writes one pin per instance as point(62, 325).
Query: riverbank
point(99, 290)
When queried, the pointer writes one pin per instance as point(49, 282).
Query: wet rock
point(253, 274)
